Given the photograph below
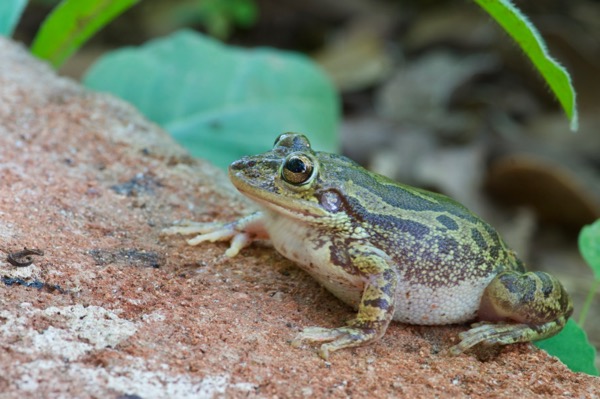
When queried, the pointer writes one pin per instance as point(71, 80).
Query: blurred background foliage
point(433, 94)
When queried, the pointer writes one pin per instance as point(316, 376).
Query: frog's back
point(408, 219)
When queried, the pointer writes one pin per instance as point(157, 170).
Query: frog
point(391, 251)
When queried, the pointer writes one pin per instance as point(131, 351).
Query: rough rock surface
point(112, 309)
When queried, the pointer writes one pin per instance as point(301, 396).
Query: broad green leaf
point(222, 102)
point(572, 347)
point(71, 24)
point(589, 246)
point(526, 35)
point(10, 13)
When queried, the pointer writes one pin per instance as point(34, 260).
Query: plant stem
point(588, 302)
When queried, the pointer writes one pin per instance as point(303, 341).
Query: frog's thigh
point(375, 310)
point(525, 306)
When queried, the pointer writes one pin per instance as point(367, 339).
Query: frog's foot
point(240, 233)
point(336, 338)
point(212, 232)
point(505, 333)
point(518, 307)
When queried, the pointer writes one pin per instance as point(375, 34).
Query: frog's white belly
point(415, 303)
point(419, 304)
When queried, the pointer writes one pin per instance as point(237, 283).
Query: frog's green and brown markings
point(392, 251)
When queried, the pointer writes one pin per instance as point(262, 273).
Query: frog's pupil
point(296, 165)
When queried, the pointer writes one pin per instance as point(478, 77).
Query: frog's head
point(294, 180)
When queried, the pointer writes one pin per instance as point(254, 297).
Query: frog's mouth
point(268, 197)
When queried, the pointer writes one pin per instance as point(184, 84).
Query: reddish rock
point(113, 309)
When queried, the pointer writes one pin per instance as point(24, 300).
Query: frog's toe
point(223, 234)
point(317, 334)
point(335, 338)
point(188, 227)
point(487, 334)
point(505, 333)
point(212, 232)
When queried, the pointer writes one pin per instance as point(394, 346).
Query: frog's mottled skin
point(391, 251)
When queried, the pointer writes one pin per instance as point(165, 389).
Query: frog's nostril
point(242, 164)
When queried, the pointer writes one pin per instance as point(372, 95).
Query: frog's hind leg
point(518, 307)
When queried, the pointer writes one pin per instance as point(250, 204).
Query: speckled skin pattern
point(389, 250)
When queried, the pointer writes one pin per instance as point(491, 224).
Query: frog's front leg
point(241, 232)
point(518, 307)
point(375, 310)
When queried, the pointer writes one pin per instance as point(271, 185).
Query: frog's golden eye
point(297, 169)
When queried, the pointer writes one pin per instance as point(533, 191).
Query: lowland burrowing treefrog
point(391, 251)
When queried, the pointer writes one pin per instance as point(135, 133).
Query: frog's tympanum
point(391, 251)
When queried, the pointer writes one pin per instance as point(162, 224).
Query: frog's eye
point(297, 169)
point(279, 138)
point(295, 141)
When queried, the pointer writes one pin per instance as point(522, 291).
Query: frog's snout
point(249, 169)
point(242, 164)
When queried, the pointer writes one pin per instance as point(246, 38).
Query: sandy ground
point(113, 309)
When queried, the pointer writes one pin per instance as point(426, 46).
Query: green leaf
point(222, 102)
point(572, 347)
point(71, 24)
point(10, 13)
point(589, 246)
point(525, 34)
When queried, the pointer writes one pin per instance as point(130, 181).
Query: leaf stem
point(588, 302)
